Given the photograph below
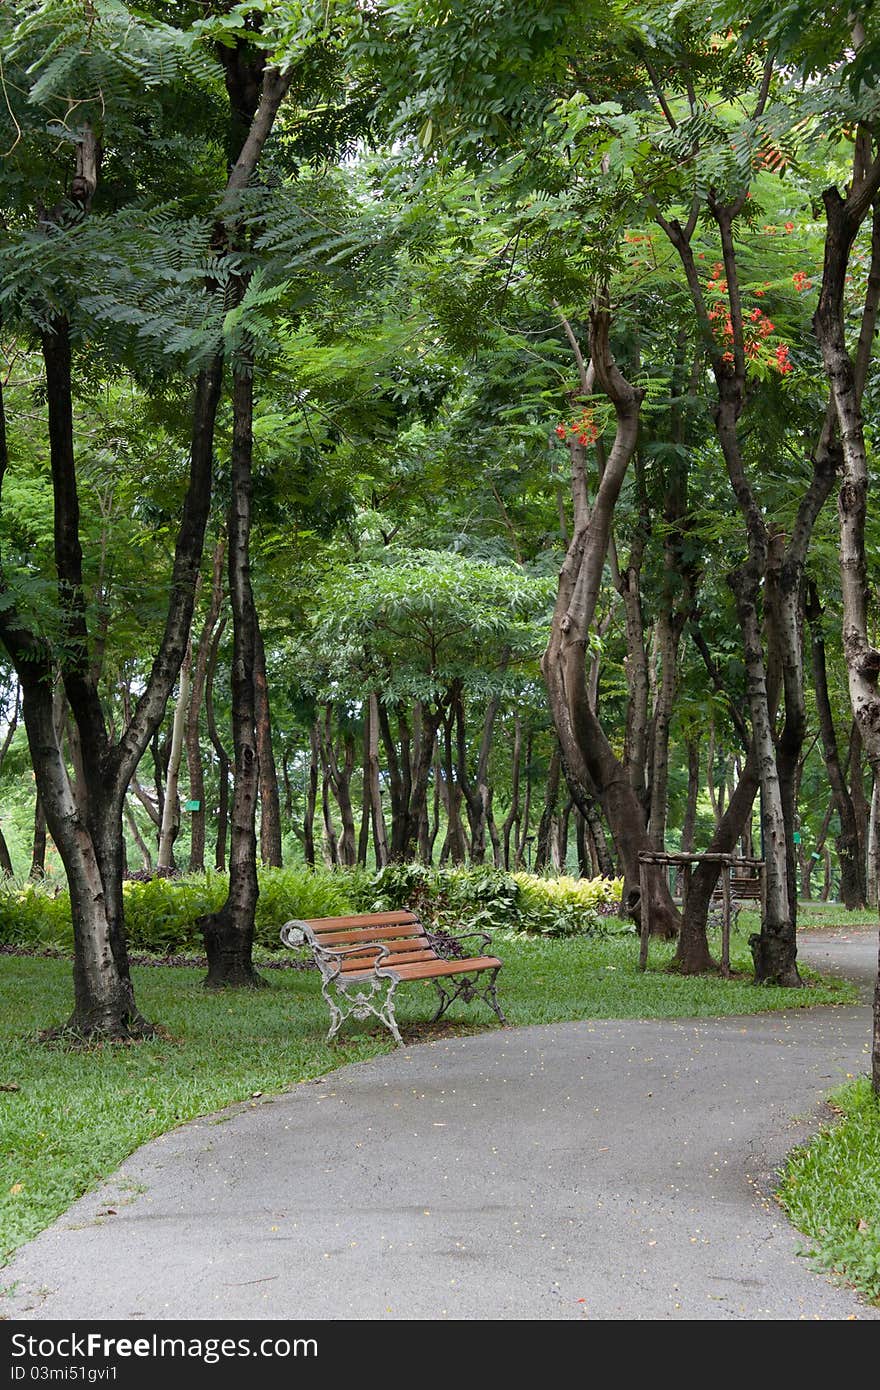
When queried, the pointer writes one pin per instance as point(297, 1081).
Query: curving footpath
point(617, 1170)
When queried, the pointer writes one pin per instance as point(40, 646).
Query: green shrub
point(490, 899)
point(161, 913)
point(35, 915)
point(570, 906)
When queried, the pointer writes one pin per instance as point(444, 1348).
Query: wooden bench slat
point(405, 932)
point(394, 962)
point(361, 919)
point(427, 970)
point(394, 948)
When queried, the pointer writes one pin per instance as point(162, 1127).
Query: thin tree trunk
point(852, 881)
point(669, 629)
point(223, 762)
point(143, 847)
point(522, 838)
point(874, 848)
point(270, 806)
point(229, 932)
point(193, 745)
point(854, 770)
point(38, 845)
point(366, 793)
point(397, 789)
point(311, 796)
point(690, 814)
point(338, 775)
point(543, 848)
point(380, 833)
point(511, 821)
point(170, 827)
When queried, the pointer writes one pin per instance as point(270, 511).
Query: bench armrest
point(330, 958)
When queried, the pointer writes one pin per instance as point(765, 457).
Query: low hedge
point(161, 913)
point(494, 900)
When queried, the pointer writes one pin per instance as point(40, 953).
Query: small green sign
point(796, 837)
point(814, 855)
point(192, 806)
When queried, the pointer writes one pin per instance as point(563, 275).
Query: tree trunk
point(311, 796)
point(523, 837)
point(366, 793)
point(6, 869)
point(590, 764)
point(270, 806)
point(774, 950)
point(38, 847)
point(229, 932)
point(92, 847)
point(397, 789)
point(455, 844)
point(669, 629)
point(844, 216)
point(692, 955)
point(425, 726)
point(874, 848)
point(511, 821)
point(380, 833)
point(562, 837)
point(861, 804)
point(223, 762)
point(690, 814)
point(143, 847)
point(477, 792)
point(852, 882)
point(337, 775)
point(193, 746)
point(548, 814)
point(170, 827)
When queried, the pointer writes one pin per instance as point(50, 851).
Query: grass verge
point(831, 1190)
point(75, 1115)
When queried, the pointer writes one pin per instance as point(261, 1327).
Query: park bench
point(743, 888)
point(363, 959)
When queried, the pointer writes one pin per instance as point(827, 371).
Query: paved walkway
point(582, 1170)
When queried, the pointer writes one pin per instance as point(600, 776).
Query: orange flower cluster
point(801, 280)
point(585, 430)
point(757, 328)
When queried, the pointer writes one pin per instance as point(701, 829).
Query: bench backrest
point(401, 932)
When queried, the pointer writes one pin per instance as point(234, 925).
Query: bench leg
point(374, 997)
point(463, 987)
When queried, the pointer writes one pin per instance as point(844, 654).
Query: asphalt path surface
point(611, 1169)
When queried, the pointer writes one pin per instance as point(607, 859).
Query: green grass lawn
point(831, 1190)
point(817, 915)
point(76, 1115)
